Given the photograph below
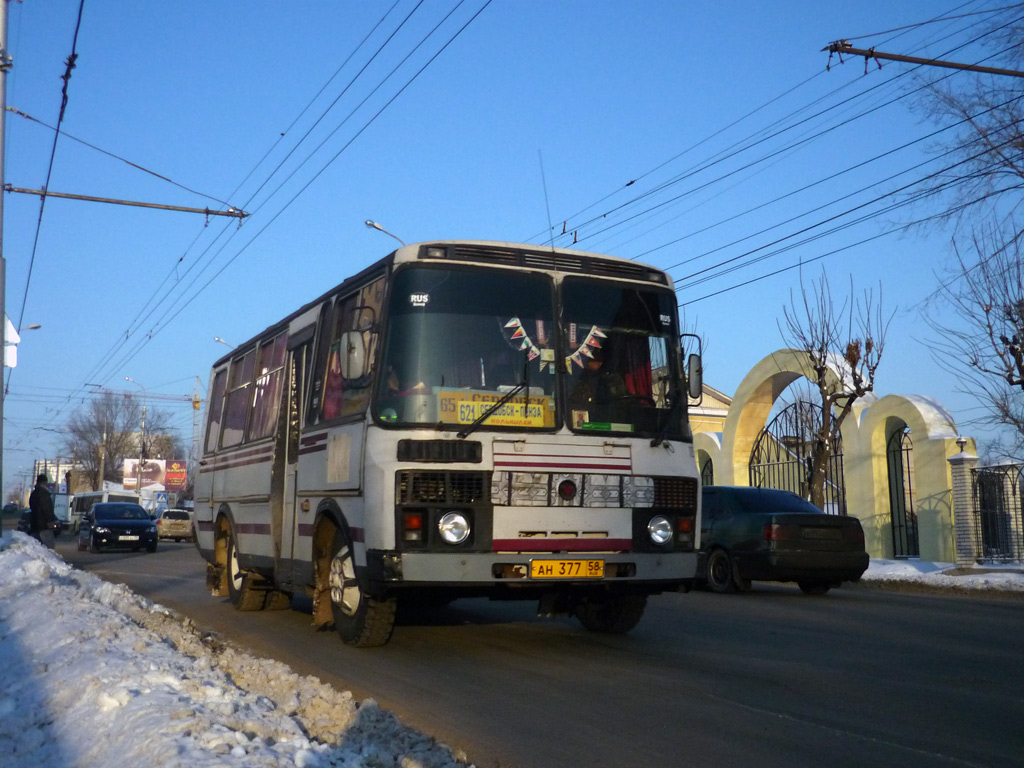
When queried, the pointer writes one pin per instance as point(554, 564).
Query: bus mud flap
point(217, 580)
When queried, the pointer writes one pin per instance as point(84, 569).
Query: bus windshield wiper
point(524, 384)
point(494, 406)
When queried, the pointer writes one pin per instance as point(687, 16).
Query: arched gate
point(899, 458)
point(782, 456)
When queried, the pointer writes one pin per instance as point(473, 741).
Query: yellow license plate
point(567, 569)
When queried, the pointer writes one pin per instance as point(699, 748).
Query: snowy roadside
point(95, 675)
point(920, 576)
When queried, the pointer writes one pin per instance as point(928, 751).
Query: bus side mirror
point(695, 376)
point(353, 355)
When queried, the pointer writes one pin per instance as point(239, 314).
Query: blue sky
point(535, 112)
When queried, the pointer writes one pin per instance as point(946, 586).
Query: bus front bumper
point(660, 571)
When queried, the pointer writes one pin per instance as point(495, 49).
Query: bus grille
point(414, 487)
point(675, 492)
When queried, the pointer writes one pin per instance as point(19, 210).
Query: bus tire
point(361, 621)
point(240, 590)
point(615, 615)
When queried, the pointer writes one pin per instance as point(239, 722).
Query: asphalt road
point(860, 677)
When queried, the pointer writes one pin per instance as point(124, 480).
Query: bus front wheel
point(613, 615)
point(361, 620)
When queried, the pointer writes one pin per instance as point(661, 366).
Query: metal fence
point(999, 532)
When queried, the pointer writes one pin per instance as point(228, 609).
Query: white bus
point(460, 419)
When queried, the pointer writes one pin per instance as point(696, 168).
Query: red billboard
point(176, 476)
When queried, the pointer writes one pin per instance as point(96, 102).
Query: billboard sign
point(176, 476)
point(153, 472)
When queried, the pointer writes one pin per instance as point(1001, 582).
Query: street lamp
point(142, 439)
point(219, 339)
point(375, 225)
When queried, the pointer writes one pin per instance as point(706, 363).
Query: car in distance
point(175, 524)
point(121, 524)
point(764, 534)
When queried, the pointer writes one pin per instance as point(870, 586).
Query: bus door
point(286, 462)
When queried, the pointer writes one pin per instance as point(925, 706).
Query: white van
point(81, 503)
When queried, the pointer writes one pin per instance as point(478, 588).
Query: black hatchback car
point(117, 524)
point(769, 535)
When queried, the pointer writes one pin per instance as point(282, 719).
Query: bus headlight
point(660, 530)
point(453, 527)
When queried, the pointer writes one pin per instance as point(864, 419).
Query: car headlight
point(660, 530)
point(453, 527)
point(101, 529)
point(152, 529)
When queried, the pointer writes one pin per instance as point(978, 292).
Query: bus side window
point(316, 387)
point(333, 383)
point(236, 405)
point(215, 407)
point(269, 370)
point(354, 325)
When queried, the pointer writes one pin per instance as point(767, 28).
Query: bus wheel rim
point(344, 587)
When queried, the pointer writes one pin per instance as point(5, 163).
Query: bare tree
point(844, 348)
point(104, 433)
point(977, 312)
point(982, 155)
point(978, 318)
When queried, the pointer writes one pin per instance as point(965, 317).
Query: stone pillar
point(965, 529)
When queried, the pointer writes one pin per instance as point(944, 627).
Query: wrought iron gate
point(900, 460)
point(997, 504)
point(782, 453)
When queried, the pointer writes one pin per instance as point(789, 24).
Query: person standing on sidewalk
point(42, 520)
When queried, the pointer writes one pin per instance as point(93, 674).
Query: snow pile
point(94, 675)
point(945, 576)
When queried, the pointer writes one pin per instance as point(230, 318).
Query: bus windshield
point(459, 341)
point(470, 345)
point(620, 345)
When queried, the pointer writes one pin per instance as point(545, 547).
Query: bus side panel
point(330, 475)
point(239, 479)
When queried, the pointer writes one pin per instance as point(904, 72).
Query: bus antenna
point(544, 183)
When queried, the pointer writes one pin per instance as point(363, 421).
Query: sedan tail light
point(854, 534)
point(781, 532)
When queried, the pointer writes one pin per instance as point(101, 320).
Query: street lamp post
point(220, 340)
point(142, 439)
point(379, 228)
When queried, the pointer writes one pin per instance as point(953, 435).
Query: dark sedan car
point(768, 535)
point(117, 524)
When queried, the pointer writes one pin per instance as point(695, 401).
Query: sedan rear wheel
point(720, 572)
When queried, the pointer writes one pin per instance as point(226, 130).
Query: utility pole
point(103, 462)
point(5, 64)
point(843, 46)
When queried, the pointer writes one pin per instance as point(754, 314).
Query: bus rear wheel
point(361, 621)
point(240, 590)
point(614, 615)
